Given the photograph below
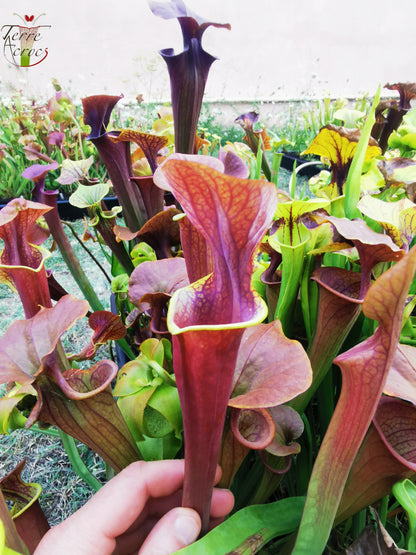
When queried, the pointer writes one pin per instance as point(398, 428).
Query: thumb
point(175, 530)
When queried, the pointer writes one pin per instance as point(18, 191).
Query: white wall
point(276, 49)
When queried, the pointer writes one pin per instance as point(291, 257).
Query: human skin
point(137, 512)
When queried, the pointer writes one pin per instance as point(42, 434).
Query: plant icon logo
point(23, 45)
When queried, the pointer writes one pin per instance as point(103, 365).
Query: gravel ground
point(47, 464)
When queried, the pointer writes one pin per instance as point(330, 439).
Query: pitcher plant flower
point(150, 145)
point(37, 173)
point(396, 111)
point(207, 319)
point(256, 138)
point(115, 156)
point(28, 517)
point(270, 371)
point(22, 260)
point(188, 71)
point(386, 456)
point(337, 146)
point(364, 368)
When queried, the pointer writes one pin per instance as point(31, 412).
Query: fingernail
point(186, 528)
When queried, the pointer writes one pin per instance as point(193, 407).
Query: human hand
point(137, 512)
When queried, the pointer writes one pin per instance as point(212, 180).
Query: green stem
point(52, 432)
point(292, 267)
point(292, 183)
point(359, 522)
point(105, 228)
point(353, 183)
point(259, 159)
point(77, 272)
point(77, 125)
point(382, 511)
point(76, 462)
point(246, 481)
point(276, 161)
point(67, 252)
point(124, 346)
point(309, 296)
point(268, 484)
point(304, 461)
point(74, 233)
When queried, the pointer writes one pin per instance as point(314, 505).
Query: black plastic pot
point(69, 212)
point(289, 160)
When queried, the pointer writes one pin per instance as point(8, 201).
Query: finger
point(131, 541)
point(177, 529)
point(218, 475)
point(222, 503)
point(117, 505)
point(157, 507)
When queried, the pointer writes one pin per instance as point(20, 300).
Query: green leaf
point(153, 349)
point(89, 195)
point(372, 180)
point(405, 493)
point(405, 143)
point(348, 116)
point(160, 448)
point(147, 394)
point(250, 528)
point(257, 283)
point(74, 170)
point(291, 239)
point(134, 376)
point(405, 137)
point(142, 252)
point(132, 408)
point(10, 417)
point(165, 401)
point(353, 183)
point(154, 424)
point(120, 284)
point(397, 218)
